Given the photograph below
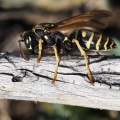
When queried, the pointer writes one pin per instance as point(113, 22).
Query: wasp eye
point(68, 45)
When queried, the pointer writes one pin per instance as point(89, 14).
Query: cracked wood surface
point(72, 86)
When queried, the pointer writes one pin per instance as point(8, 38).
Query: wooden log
point(72, 86)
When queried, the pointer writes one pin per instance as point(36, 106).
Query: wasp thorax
point(58, 37)
point(38, 32)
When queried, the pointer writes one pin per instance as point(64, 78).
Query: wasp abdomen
point(91, 40)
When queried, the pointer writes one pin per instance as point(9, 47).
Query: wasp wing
point(78, 25)
point(88, 19)
point(95, 14)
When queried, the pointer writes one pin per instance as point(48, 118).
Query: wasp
point(54, 35)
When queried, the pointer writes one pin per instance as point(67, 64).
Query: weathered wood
point(72, 85)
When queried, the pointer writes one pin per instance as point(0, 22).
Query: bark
point(29, 80)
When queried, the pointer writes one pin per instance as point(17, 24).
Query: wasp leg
point(22, 52)
point(40, 50)
point(86, 61)
point(57, 59)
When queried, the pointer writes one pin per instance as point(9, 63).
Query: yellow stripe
point(46, 37)
point(34, 31)
point(65, 39)
point(98, 42)
point(90, 40)
point(111, 44)
point(84, 34)
point(29, 38)
point(105, 45)
point(30, 45)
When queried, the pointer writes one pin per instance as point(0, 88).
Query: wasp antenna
point(57, 63)
point(22, 52)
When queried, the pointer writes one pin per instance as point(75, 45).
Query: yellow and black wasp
point(54, 35)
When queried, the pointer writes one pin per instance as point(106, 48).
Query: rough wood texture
point(72, 86)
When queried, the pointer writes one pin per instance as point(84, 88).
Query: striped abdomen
point(90, 40)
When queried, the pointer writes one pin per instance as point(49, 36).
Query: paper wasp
point(54, 34)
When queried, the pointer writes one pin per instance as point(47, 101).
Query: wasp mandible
point(54, 35)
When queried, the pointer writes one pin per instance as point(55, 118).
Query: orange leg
point(57, 63)
point(86, 61)
point(22, 52)
point(40, 50)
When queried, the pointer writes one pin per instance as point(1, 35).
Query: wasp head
point(30, 39)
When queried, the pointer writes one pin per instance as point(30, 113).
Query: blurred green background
point(17, 16)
